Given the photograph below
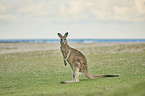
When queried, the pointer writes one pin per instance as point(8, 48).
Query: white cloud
point(10, 18)
point(140, 4)
point(2, 7)
point(24, 10)
point(34, 10)
point(105, 10)
point(73, 10)
point(30, 7)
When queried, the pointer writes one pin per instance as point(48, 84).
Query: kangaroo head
point(63, 38)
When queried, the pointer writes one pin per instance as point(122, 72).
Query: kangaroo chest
point(65, 51)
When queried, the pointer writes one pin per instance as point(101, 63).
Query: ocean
point(69, 40)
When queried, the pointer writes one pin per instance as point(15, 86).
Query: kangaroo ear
point(66, 34)
point(59, 35)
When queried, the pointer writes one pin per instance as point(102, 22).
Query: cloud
point(3, 7)
point(140, 5)
point(103, 10)
point(10, 18)
point(24, 10)
point(73, 10)
point(6, 15)
point(32, 7)
point(129, 11)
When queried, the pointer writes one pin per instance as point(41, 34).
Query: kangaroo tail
point(98, 76)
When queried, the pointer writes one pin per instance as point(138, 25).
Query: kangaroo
point(76, 60)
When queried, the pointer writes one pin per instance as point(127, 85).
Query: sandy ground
point(25, 47)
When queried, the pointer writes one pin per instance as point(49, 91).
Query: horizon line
point(58, 38)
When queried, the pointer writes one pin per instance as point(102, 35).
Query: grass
point(39, 73)
point(135, 90)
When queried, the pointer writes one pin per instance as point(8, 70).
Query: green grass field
point(39, 73)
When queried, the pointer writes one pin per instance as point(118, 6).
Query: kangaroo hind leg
point(76, 74)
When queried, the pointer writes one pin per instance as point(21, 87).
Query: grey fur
point(76, 60)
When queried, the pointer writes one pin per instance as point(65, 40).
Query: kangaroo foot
point(65, 82)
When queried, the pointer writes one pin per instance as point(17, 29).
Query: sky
point(83, 19)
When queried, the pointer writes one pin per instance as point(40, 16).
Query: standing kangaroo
point(76, 60)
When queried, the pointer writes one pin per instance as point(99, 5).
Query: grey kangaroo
point(76, 60)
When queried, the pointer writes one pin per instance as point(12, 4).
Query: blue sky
point(30, 19)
